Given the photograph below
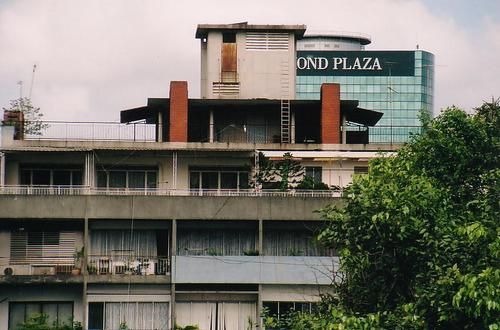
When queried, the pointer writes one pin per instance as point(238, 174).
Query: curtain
point(123, 242)
point(291, 243)
point(137, 315)
point(215, 242)
point(217, 315)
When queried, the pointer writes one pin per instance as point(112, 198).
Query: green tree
point(281, 174)
point(33, 123)
point(419, 236)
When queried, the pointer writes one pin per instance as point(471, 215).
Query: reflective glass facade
point(400, 98)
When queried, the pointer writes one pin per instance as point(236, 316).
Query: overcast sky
point(95, 58)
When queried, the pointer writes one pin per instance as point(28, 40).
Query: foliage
point(280, 174)
point(419, 237)
point(309, 183)
point(32, 116)
point(40, 322)
point(187, 327)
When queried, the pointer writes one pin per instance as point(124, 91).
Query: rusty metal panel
point(229, 61)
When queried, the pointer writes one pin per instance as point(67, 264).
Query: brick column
point(330, 113)
point(178, 111)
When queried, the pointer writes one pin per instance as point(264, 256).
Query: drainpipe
point(2, 169)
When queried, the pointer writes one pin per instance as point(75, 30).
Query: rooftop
point(203, 29)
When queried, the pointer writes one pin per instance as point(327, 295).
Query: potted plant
point(78, 257)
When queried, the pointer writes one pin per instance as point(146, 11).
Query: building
point(285, 62)
point(158, 221)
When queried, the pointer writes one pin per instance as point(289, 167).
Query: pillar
point(330, 113)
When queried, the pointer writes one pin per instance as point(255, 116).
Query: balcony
point(138, 269)
point(142, 132)
point(41, 270)
point(84, 190)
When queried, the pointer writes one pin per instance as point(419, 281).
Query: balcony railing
point(128, 265)
point(83, 190)
point(94, 131)
point(242, 133)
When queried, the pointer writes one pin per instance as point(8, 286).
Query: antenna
point(20, 83)
point(32, 81)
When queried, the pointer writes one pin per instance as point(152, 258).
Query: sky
point(95, 58)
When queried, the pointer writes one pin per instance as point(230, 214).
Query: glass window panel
point(244, 184)
point(16, 314)
point(51, 310)
point(210, 180)
point(32, 309)
point(194, 180)
point(229, 180)
point(96, 316)
point(151, 179)
point(62, 178)
point(272, 307)
point(102, 179)
point(77, 179)
point(136, 179)
point(117, 179)
point(26, 177)
point(65, 313)
point(41, 177)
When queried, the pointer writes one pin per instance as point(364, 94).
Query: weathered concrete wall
point(162, 207)
point(254, 269)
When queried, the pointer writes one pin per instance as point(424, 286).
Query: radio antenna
point(32, 81)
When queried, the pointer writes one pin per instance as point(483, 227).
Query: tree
point(33, 123)
point(419, 236)
point(281, 174)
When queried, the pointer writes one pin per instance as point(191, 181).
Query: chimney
point(178, 130)
point(15, 118)
point(330, 113)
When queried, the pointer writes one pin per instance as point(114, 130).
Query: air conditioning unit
point(15, 270)
point(8, 271)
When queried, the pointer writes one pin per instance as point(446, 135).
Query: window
point(42, 247)
point(360, 170)
point(230, 315)
point(280, 309)
point(48, 175)
point(314, 172)
point(132, 178)
point(58, 312)
point(218, 178)
point(137, 315)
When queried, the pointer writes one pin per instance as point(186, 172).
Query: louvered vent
point(42, 247)
point(225, 89)
point(266, 41)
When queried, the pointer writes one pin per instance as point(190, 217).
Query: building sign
point(355, 63)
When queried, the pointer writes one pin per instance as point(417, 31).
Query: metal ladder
point(285, 101)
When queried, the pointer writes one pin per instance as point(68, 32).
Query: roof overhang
point(348, 108)
point(203, 29)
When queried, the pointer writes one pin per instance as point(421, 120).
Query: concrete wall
point(294, 292)
point(159, 207)
point(254, 269)
point(259, 72)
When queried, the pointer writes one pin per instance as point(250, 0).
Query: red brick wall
point(330, 113)
point(178, 111)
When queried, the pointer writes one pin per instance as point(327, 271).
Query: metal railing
point(94, 131)
point(128, 265)
point(386, 134)
point(84, 190)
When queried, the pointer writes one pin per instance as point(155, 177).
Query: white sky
point(97, 57)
